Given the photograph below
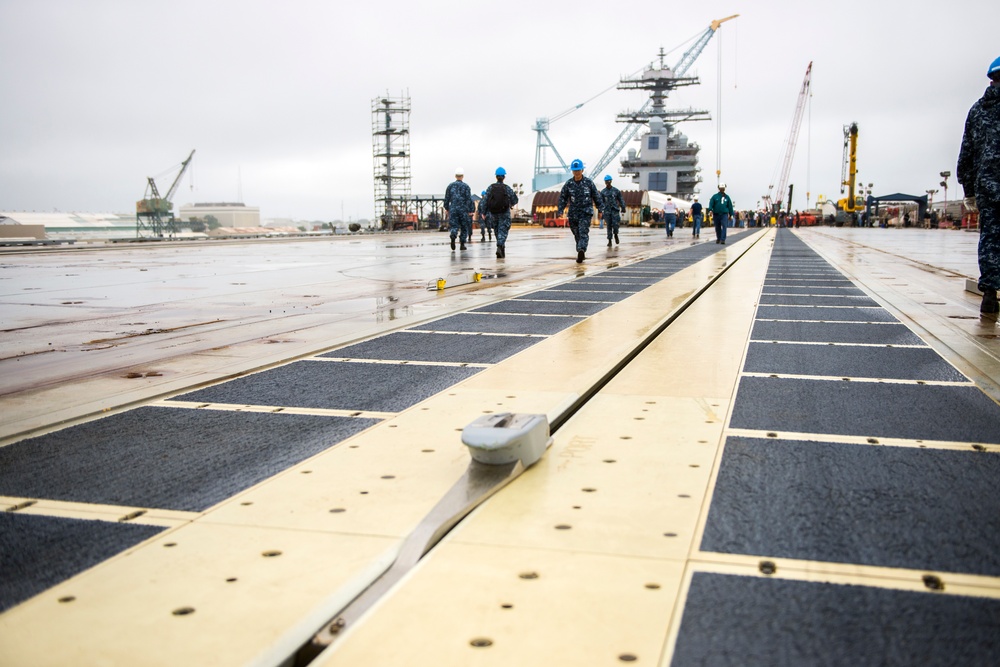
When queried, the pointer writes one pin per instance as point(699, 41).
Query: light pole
point(930, 202)
point(944, 184)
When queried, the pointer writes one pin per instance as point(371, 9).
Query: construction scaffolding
point(391, 151)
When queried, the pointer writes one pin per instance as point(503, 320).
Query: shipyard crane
point(775, 197)
point(679, 70)
point(154, 213)
point(848, 175)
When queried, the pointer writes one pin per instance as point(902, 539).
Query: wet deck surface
point(832, 396)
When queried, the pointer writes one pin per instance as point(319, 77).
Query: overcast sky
point(96, 95)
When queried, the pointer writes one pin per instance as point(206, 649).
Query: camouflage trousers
point(613, 220)
point(460, 224)
point(501, 226)
point(989, 246)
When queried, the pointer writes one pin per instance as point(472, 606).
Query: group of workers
point(578, 197)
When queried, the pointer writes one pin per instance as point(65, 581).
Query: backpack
point(496, 199)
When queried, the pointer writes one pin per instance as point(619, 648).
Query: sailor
point(721, 207)
point(582, 196)
point(485, 225)
point(458, 202)
point(500, 199)
point(979, 173)
point(612, 206)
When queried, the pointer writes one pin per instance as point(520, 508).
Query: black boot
point(462, 247)
point(452, 242)
point(616, 237)
point(990, 303)
point(579, 256)
point(503, 251)
point(609, 241)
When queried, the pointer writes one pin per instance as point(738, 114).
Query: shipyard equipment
point(850, 204)
point(154, 214)
point(775, 196)
point(546, 174)
point(679, 70)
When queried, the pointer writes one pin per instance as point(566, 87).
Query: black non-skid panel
point(826, 291)
point(906, 507)
point(563, 295)
point(457, 348)
point(873, 409)
point(336, 385)
point(835, 332)
point(160, 457)
point(816, 300)
point(758, 622)
point(834, 314)
point(510, 324)
point(543, 307)
point(899, 363)
point(38, 552)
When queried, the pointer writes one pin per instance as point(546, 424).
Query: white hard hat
point(669, 198)
point(696, 199)
point(459, 171)
point(722, 186)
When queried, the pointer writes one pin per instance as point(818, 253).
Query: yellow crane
point(848, 176)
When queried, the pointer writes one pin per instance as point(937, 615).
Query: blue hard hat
point(501, 171)
point(994, 68)
point(484, 193)
point(576, 165)
point(607, 177)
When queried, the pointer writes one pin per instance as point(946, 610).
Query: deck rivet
point(183, 611)
point(68, 598)
point(767, 567)
point(528, 575)
point(979, 448)
point(772, 434)
point(337, 510)
point(563, 526)
point(627, 657)
point(270, 554)
point(872, 441)
point(933, 582)
point(481, 642)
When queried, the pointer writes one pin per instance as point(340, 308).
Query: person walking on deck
point(458, 202)
point(670, 216)
point(696, 218)
point(612, 206)
point(500, 199)
point(721, 207)
point(581, 195)
point(979, 173)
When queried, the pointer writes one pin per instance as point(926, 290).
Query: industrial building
point(228, 214)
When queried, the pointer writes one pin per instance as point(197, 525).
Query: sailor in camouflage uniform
point(979, 173)
point(582, 196)
point(485, 225)
point(458, 202)
point(612, 206)
point(500, 220)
